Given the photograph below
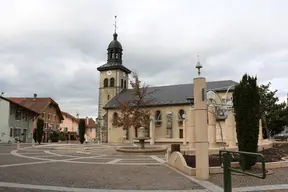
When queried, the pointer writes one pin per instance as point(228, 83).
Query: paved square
point(83, 168)
point(100, 168)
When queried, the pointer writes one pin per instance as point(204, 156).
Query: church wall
point(115, 134)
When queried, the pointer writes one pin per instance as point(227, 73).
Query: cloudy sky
point(53, 47)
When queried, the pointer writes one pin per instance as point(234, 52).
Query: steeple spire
point(198, 65)
point(115, 24)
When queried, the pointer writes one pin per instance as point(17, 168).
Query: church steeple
point(115, 48)
point(115, 51)
point(114, 54)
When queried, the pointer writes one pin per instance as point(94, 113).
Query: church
point(167, 110)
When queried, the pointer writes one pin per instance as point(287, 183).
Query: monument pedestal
point(201, 129)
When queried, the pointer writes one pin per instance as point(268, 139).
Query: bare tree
point(134, 112)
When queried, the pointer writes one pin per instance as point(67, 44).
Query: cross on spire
point(115, 24)
point(198, 65)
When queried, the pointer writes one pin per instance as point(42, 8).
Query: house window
point(180, 117)
point(117, 55)
point(125, 86)
point(43, 115)
point(11, 132)
point(112, 82)
point(90, 130)
point(122, 82)
point(158, 118)
point(105, 82)
point(49, 116)
point(26, 117)
point(66, 129)
point(108, 97)
point(18, 115)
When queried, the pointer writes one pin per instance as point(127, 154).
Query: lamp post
point(226, 108)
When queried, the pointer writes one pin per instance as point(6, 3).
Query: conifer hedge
point(246, 103)
point(81, 128)
point(39, 130)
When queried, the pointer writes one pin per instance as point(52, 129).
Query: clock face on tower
point(109, 72)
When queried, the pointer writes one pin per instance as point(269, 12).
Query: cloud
point(53, 48)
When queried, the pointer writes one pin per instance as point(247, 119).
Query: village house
point(47, 108)
point(16, 121)
point(69, 126)
point(91, 128)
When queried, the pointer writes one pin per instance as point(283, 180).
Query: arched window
point(122, 82)
point(112, 82)
point(105, 82)
point(158, 118)
point(115, 119)
point(180, 117)
point(125, 85)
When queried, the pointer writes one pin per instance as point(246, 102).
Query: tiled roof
point(69, 115)
point(169, 95)
point(37, 104)
point(16, 102)
point(91, 123)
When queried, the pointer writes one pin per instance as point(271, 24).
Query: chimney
point(35, 96)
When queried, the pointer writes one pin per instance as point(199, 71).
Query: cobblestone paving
point(100, 167)
point(90, 168)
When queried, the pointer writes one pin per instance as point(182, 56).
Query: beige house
point(167, 110)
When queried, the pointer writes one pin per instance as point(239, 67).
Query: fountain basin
point(136, 149)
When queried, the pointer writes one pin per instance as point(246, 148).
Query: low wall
point(177, 161)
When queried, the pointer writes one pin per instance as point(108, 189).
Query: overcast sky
point(53, 47)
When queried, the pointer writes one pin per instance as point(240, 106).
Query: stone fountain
point(141, 149)
point(141, 137)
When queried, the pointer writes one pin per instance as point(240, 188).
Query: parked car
point(281, 137)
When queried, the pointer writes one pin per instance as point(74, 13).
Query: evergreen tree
point(81, 129)
point(39, 129)
point(246, 103)
point(274, 115)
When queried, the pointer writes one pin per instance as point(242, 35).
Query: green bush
point(246, 104)
point(54, 136)
point(81, 128)
point(62, 137)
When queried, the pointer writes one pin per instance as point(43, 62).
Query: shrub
point(54, 136)
point(39, 130)
point(246, 103)
point(81, 128)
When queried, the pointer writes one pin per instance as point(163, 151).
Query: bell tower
point(113, 74)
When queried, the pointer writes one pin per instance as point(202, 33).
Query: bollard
point(18, 145)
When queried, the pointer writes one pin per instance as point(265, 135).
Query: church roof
point(113, 65)
point(170, 95)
